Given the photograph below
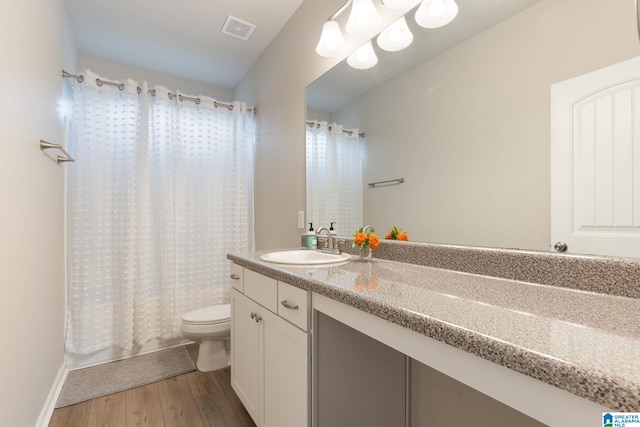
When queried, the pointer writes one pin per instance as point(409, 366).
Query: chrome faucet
point(331, 247)
point(368, 228)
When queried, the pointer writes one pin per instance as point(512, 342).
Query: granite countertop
point(583, 342)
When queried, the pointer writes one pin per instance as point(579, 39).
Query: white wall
point(35, 46)
point(120, 71)
point(276, 85)
point(469, 129)
point(318, 115)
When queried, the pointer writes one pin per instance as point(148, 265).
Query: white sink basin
point(304, 257)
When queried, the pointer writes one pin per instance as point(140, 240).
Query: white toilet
point(211, 327)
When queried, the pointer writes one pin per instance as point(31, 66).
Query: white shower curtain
point(334, 177)
point(161, 190)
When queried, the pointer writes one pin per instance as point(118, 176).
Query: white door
point(245, 353)
point(286, 373)
point(595, 161)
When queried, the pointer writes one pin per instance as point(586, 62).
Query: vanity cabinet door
point(270, 359)
point(245, 353)
point(286, 373)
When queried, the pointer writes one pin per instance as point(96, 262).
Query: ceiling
point(178, 37)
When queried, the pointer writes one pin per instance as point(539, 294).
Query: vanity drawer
point(293, 305)
point(261, 289)
point(236, 277)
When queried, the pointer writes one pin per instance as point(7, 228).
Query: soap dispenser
point(332, 230)
point(312, 239)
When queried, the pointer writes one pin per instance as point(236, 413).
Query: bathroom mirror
point(463, 115)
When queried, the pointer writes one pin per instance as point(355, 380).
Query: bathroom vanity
point(270, 342)
point(551, 354)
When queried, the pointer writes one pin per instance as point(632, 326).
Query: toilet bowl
point(211, 328)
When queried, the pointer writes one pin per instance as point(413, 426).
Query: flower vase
point(365, 253)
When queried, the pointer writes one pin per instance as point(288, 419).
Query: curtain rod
point(347, 131)
point(152, 92)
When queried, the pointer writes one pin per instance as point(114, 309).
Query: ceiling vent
point(237, 28)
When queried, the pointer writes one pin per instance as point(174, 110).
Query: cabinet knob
point(288, 305)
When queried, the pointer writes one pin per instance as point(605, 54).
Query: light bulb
point(363, 16)
point(396, 36)
point(331, 40)
point(436, 13)
point(436, 8)
point(364, 57)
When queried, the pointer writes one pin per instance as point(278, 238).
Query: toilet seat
point(208, 315)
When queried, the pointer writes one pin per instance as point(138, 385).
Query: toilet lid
point(212, 314)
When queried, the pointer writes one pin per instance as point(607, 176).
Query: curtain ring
point(102, 82)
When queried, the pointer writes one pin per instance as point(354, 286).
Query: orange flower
point(374, 241)
point(365, 282)
point(397, 234)
point(360, 238)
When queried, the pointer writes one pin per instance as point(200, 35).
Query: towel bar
point(389, 182)
point(44, 145)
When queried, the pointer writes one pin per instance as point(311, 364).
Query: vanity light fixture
point(436, 13)
point(363, 58)
point(396, 36)
point(363, 16)
point(331, 40)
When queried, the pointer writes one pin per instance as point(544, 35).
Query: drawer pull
point(285, 304)
point(235, 277)
point(256, 317)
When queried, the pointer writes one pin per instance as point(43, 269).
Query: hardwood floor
point(194, 399)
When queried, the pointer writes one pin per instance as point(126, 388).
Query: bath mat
point(96, 381)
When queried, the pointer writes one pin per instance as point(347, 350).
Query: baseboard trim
point(52, 398)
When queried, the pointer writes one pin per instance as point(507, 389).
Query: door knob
point(560, 247)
